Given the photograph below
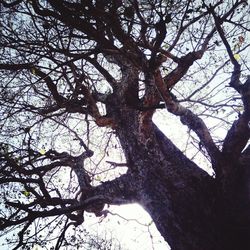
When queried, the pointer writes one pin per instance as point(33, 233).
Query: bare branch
point(187, 117)
point(239, 134)
point(235, 79)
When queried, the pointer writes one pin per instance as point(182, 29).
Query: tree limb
point(239, 134)
point(187, 117)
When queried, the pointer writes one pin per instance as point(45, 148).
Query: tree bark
point(193, 215)
point(191, 209)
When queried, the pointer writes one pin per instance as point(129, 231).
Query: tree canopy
point(94, 97)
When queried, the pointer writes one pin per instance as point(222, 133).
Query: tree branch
point(235, 79)
point(187, 117)
point(175, 156)
point(17, 66)
point(122, 190)
point(74, 21)
point(239, 134)
point(60, 100)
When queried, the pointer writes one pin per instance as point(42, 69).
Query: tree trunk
point(192, 216)
point(187, 205)
point(182, 215)
point(192, 210)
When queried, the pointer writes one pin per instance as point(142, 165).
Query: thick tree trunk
point(186, 204)
point(178, 199)
point(191, 217)
point(233, 206)
point(182, 215)
point(192, 210)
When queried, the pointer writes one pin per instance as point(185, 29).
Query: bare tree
point(81, 80)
